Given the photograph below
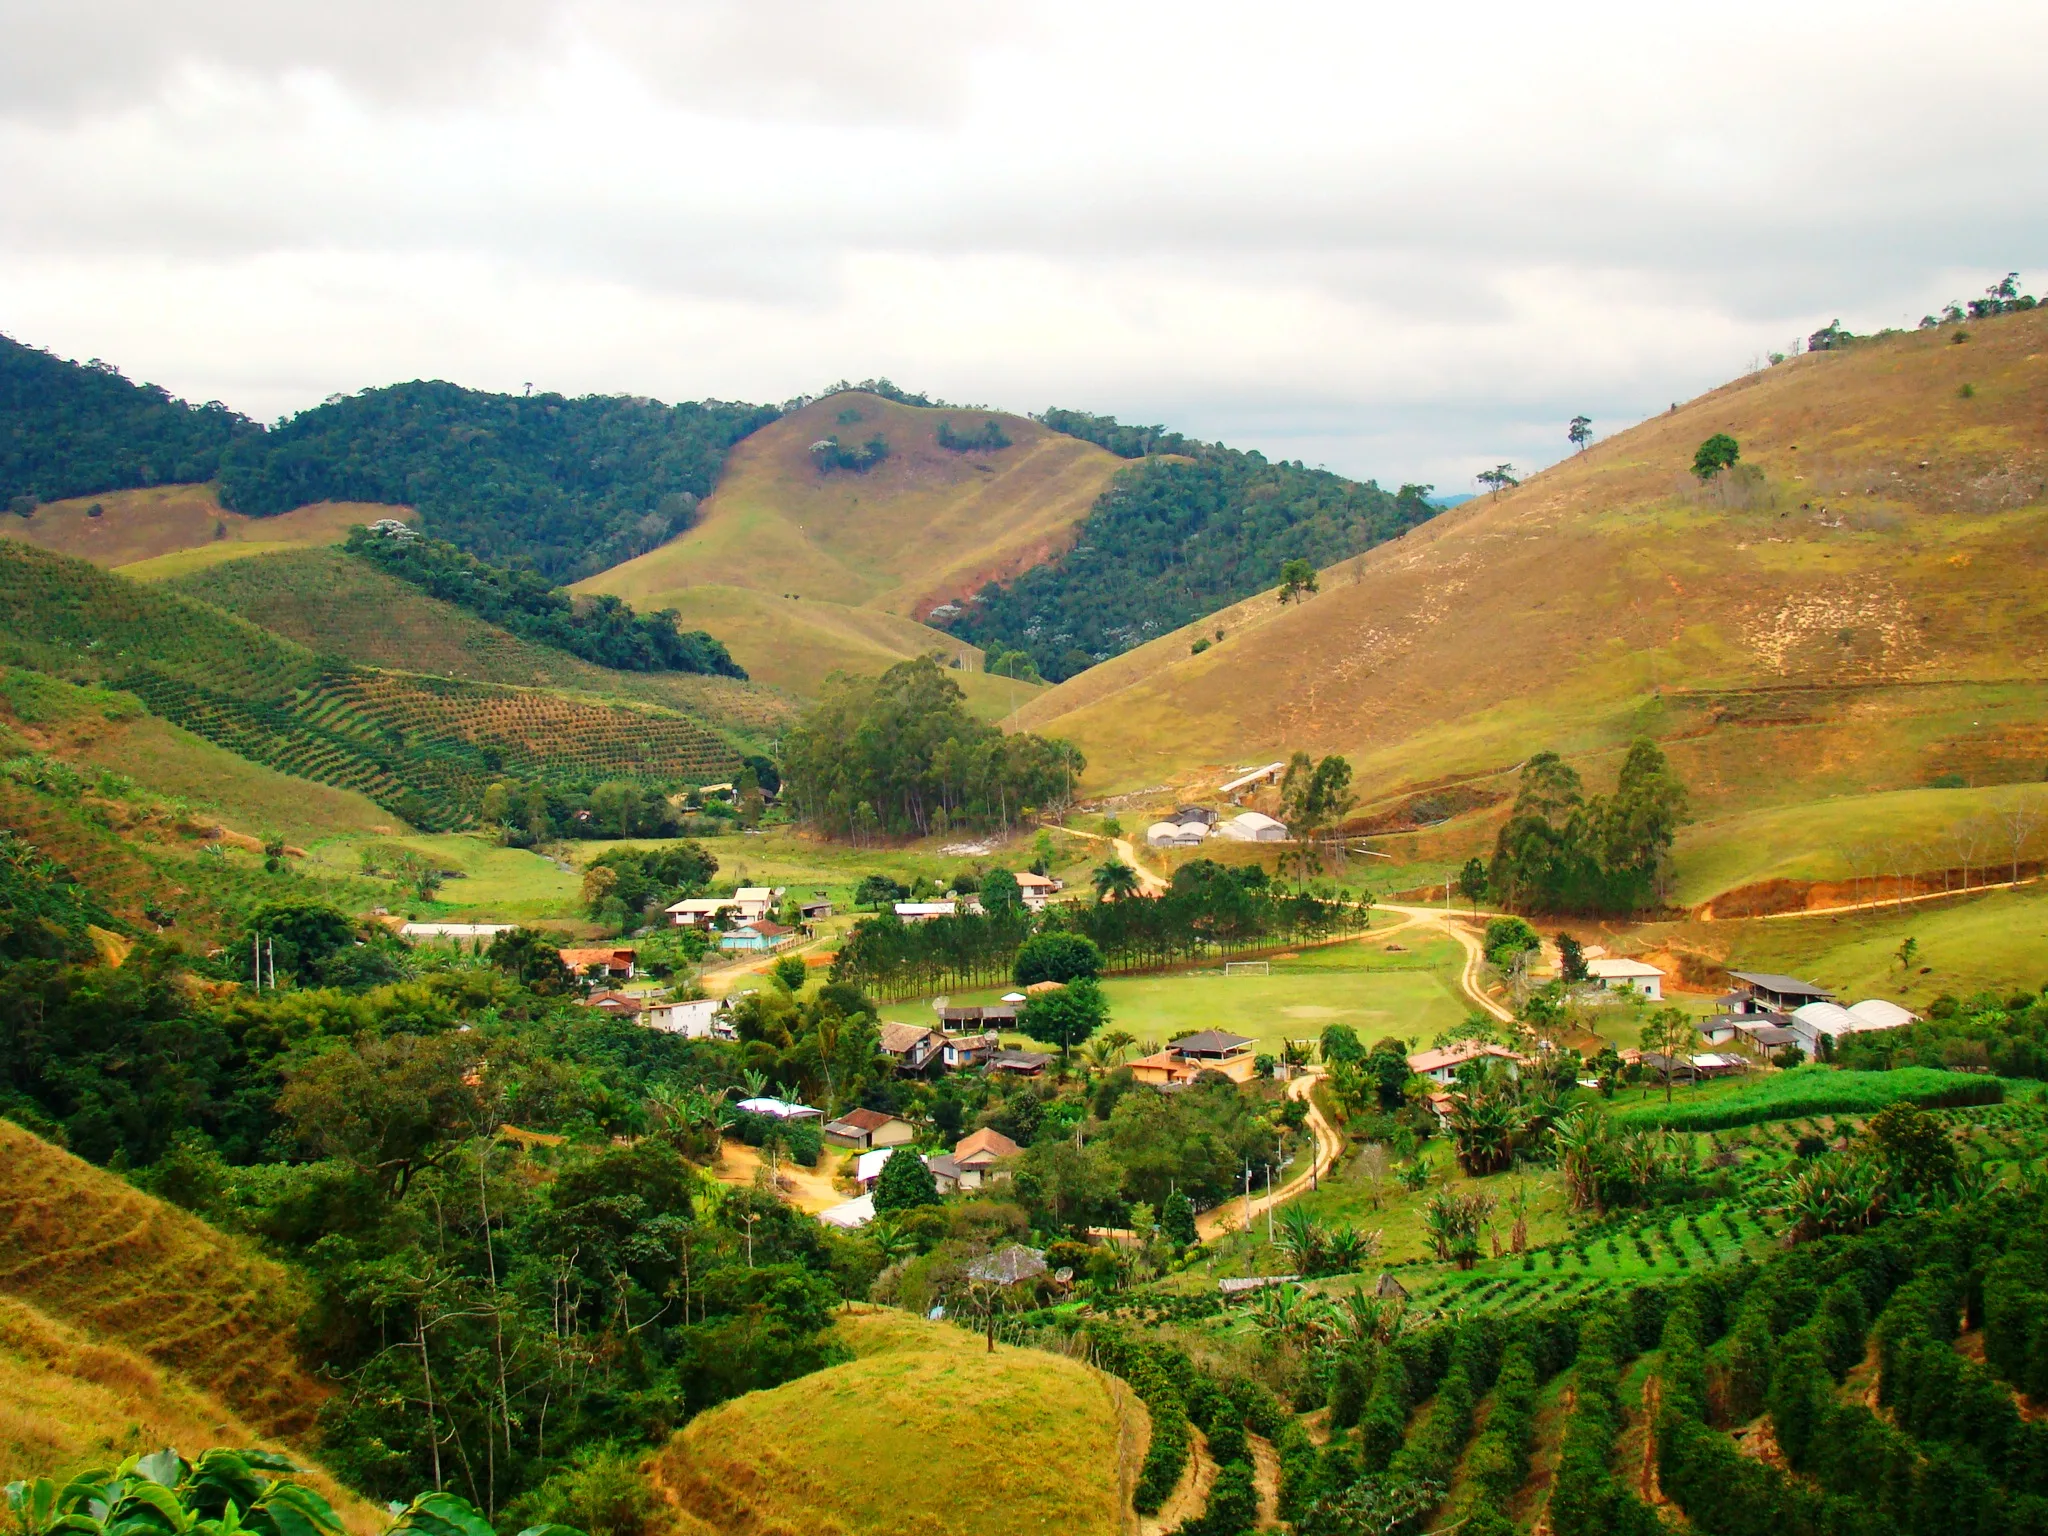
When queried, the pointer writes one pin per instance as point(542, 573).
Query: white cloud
point(1405, 241)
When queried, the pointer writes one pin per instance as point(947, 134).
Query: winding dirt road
point(1232, 1215)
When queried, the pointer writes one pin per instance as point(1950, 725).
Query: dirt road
point(808, 1189)
point(1126, 851)
point(1329, 1146)
point(1475, 956)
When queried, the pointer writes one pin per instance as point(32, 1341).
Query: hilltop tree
point(1717, 453)
point(1560, 852)
point(1580, 432)
point(1297, 580)
point(1498, 478)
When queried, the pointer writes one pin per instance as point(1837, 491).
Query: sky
point(1406, 242)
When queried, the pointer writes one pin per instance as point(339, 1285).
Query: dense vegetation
point(2008, 1036)
point(899, 755)
point(1173, 539)
point(604, 630)
point(574, 485)
point(73, 429)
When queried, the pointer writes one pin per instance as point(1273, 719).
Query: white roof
point(1031, 880)
point(703, 904)
point(1258, 819)
point(1715, 1059)
point(869, 1166)
point(1015, 997)
point(757, 893)
point(1827, 1019)
point(1163, 829)
point(1251, 778)
point(1617, 970)
point(455, 930)
point(926, 908)
point(1877, 1013)
point(781, 1109)
point(855, 1213)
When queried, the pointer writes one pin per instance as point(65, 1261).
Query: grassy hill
point(924, 1434)
point(339, 606)
point(422, 747)
point(1858, 611)
point(924, 525)
point(163, 530)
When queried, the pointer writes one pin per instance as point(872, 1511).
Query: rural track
point(1329, 1146)
point(1475, 956)
point(1125, 850)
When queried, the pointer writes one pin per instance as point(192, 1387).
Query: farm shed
point(1627, 976)
point(866, 1128)
point(1253, 827)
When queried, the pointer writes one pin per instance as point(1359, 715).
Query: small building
point(1614, 975)
point(1877, 1013)
point(946, 1173)
point(454, 931)
point(962, 1052)
point(853, 1214)
point(1253, 827)
point(1831, 1022)
point(779, 1109)
point(757, 937)
point(978, 1016)
point(1767, 992)
point(1666, 1068)
point(1037, 890)
point(979, 1152)
point(1020, 1063)
point(1718, 1063)
point(925, 911)
point(1726, 1028)
point(911, 1046)
point(1270, 774)
point(1173, 834)
point(702, 911)
point(1201, 813)
point(620, 1005)
point(1440, 1064)
point(1186, 1059)
point(698, 1019)
point(602, 960)
point(865, 1128)
point(814, 911)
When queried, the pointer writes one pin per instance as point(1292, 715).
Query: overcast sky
point(1405, 241)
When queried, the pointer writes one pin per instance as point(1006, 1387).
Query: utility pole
point(1247, 1199)
point(256, 959)
point(1269, 1205)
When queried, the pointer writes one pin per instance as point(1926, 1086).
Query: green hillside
point(336, 605)
point(423, 747)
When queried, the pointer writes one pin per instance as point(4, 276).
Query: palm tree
point(1486, 1116)
point(1107, 1051)
point(1114, 880)
point(1580, 1140)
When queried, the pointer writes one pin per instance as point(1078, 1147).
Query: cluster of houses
point(1036, 890)
point(745, 920)
point(1191, 825)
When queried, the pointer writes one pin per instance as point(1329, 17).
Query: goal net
point(1248, 968)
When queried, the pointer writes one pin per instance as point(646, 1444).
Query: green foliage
point(1499, 1458)
point(1560, 852)
point(1717, 453)
point(887, 754)
point(162, 1494)
point(1177, 1219)
point(1814, 1090)
point(905, 1182)
point(879, 891)
point(533, 959)
point(574, 485)
point(43, 910)
point(999, 891)
point(829, 454)
point(2008, 1036)
point(601, 1492)
point(1060, 957)
point(604, 629)
point(1297, 581)
point(1507, 937)
point(1172, 540)
point(1146, 1367)
point(1586, 1498)
point(987, 438)
point(1069, 1016)
point(790, 970)
point(74, 429)
point(649, 879)
point(1017, 664)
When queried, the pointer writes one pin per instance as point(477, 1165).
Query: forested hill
point(574, 485)
point(1191, 528)
point(76, 429)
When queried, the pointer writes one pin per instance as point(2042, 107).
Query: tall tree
point(1580, 432)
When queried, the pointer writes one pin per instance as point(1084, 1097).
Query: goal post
point(1247, 967)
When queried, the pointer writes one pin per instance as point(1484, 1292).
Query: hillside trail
point(808, 1189)
point(1706, 913)
point(1125, 850)
point(1475, 955)
point(1189, 1500)
point(1233, 1216)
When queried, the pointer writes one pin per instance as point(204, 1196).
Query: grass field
point(494, 884)
point(167, 529)
point(1867, 617)
point(923, 1435)
point(1412, 995)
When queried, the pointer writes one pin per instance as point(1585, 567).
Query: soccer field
point(1410, 995)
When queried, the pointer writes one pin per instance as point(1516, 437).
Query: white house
point(455, 930)
point(1036, 889)
point(693, 1020)
point(1627, 976)
point(925, 911)
point(854, 1213)
point(748, 904)
point(1253, 827)
point(1441, 1064)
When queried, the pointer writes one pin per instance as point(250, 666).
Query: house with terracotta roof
point(1208, 1050)
point(620, 1005)
point(979, 1152)
point(867, 1128)
point(758, 937)
point(603, 960)
point(1440, 1064)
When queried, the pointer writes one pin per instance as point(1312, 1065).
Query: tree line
point(604, 629)
point(1562, 852)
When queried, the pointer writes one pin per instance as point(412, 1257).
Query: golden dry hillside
point(1860, 609)
point(923, 1435)
point(798, 569)
point(94, 1254)
point(168, 529)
